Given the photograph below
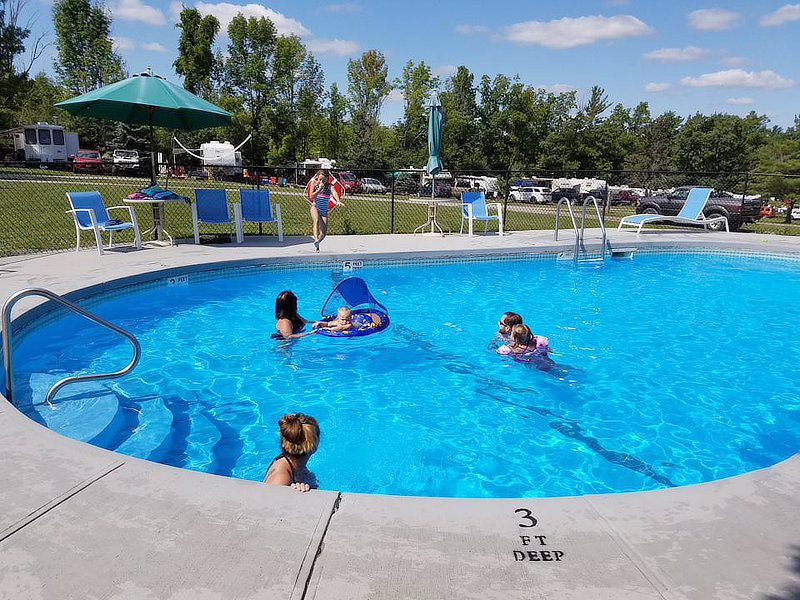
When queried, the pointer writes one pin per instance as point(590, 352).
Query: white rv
point(44, 143)
point(220, 154)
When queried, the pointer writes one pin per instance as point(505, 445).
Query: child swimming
point(524, 342)
point(342, 322)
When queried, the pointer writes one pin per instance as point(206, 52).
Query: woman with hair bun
point(299, 440)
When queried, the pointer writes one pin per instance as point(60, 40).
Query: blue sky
point(683, 56)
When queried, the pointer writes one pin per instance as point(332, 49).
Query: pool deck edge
point(80, 521)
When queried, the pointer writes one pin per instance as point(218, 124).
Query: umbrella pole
point(152, 153)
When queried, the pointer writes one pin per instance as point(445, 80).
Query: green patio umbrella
point(148, 99)
point(434, 139)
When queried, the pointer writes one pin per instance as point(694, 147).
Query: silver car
point(372, 186)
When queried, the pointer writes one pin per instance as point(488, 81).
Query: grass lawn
point(33, 204)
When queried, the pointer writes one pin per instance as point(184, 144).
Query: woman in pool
point(288, 323)
point(299, 440)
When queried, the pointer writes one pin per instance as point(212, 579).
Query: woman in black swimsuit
point(299, 440)
point(288, 324)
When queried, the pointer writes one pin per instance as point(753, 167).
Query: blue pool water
point(674, 369)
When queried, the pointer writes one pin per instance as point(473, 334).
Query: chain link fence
point(33, 200)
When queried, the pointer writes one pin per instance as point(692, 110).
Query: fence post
point(606, 202)
point(391, 216)
point(258, 187)
point(505, 204)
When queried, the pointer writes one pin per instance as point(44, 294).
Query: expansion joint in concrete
point(320, 548)
point(60, 499)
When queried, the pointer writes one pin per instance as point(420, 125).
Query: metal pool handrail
point(571, 217)
point(599, 218)
point(5, 320)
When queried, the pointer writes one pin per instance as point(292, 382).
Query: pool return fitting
point(5, 321)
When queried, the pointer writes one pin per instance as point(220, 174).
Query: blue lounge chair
point(475, 208)
point(211, 206)
point(690, 214)
point(90, 214)
point(257, 209)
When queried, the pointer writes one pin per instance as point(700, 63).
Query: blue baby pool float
point(368, 315)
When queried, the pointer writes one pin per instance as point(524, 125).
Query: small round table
point(432, 222)
point(157, 204)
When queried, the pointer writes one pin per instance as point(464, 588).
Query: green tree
point(195, 55)
point(416, 83)
point(368, 86)
point(248, 73)
point(335, 138)
point(86, 59)
point(460, 143)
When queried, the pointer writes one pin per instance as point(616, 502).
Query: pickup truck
point(125, 160)
point(736, 209)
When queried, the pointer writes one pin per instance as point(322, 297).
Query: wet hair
point(299, 434)
point(521, 335)
point(511, 318)
point(286, 306)
point(344, 310)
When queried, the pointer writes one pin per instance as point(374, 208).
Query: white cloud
point(345, 7)
point(136, 10)
point(122, 44)
point(558, 88)
point(340, 47)
point(687, 54)
point(396, 95)
point(570, 32)
point(734, 61)
point(739, 78)
point(468, 29)
point(786, 13)
point(175, 8)
point(713, 19)
point(153, 47)
point(225, 12)
point(744, 100)
point(445, 70)
point(656, 87)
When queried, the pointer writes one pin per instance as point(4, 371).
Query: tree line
point(275, 88)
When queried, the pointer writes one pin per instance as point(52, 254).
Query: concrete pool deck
point(83, 522)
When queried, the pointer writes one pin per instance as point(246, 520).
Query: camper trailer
point(44, 143)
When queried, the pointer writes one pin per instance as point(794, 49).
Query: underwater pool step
point(151, 438)
point(87, 411)
point(203, 436)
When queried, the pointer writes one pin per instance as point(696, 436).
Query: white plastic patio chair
point(475, 208)
point(90, 214)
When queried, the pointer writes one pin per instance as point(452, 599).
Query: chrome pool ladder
point(5, 321)
point(581, 255)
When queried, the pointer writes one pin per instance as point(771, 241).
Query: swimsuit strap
point(291, 468)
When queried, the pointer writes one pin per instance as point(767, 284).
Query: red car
point(87, 160)
point(349, 182)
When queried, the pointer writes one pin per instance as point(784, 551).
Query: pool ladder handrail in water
point(5, 321)
point(581, 255)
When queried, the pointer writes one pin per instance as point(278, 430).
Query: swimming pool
point(675, 369)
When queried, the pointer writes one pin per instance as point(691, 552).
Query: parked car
point(369, 185)
point(125, 160)
point(349, 181)
point(624, 197)
point(476, 183)
point(87, 160)
point(796, 213)
point(575, 194)
point(736, 209)
point(534, 195)
point(405, 183)
point(443, 190)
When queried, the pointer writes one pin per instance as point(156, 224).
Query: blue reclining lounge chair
point(690, 214)
point(90, 214)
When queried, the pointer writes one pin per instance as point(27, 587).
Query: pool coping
point(670, 543)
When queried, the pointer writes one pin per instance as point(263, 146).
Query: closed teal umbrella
point(434, 135)
point(147, 99)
